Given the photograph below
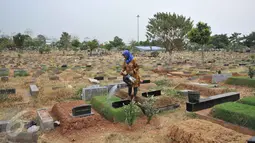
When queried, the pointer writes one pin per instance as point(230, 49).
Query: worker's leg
point(135, 91)
point(129, 91)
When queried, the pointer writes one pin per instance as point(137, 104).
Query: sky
point(104, 19)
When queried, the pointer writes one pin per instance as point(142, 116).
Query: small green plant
point(19, 55)
point(149, 110)
point(191, 115)
point(131, 111)
point(3, 97)
point(251, 72)
point(253, 58)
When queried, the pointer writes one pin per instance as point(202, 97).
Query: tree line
point(168, 30)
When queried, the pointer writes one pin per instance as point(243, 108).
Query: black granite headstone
point(7, 91)
point(99, 78)
point(154, 93)
point(119, 104)
point(251, 140)
point(82, 110)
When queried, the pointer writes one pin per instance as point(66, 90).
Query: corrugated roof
point(149, 48)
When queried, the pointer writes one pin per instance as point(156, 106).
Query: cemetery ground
point(61, 83)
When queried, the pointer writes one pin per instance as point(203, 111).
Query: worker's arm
point(123, 69)
point(136, 66)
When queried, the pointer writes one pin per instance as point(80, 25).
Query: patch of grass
point(104, 106)
point(163, 82)
point(191, 115)
point(248, 100)
point(236, 113)
point(243, 81)
point(174, 93)
point(3, 97)
point(20, 73)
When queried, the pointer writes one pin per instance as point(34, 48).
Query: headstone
point(216, 78)
point(93, 81)
point(3, 125)
point(46, 121)
point(8, 91)
point(4, 78)
point(88, 93)
point(99, 78)
point(34, 90)
point(81, 111)
point(251, 140)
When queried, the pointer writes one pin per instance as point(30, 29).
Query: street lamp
point(137, 28)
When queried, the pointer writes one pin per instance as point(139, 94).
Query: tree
point(117, 42)
point(19, 40)
point(107, 46)
point(92, 45)
point(5, 42)
point(220, 41)
point(168, 29)
point(200, 35)
point(249, 40)
point(235, 41)
point(65, 41)
point(76, 44)
point(41, 39)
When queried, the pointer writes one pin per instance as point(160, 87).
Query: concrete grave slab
point(46, 121)
point(34, 90)
point(216, 78)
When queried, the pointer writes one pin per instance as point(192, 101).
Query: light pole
point(137, 28)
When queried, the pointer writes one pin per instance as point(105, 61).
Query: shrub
point(131, 111)
point(248, 100)
point(243, 81)
point(236, 113)
point(251, 72)
point(163, 82)
point(148, 108)
point(154, 54)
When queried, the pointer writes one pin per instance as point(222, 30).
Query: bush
point(148, 108)
point(154, 54)
point(236, 113)
point(243, 81)
point(251, 72)
point(104, 106)
point(248, 100)
point(131, 111)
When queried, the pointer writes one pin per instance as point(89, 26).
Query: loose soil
point(196, 131)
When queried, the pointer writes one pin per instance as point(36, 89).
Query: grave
point(63, 113)
point(82, 111)
point(46, 121)
point(216, 78)
point(88, 93)
point(145, 81)
point(20, 72)
point(4, 72)
point(34, 90)
point(168, 107)
point(8, 91)
point(4, 78)
point(209, 102)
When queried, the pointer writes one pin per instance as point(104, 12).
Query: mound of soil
point(63, 112)
point(196, 131)
point(204, 91)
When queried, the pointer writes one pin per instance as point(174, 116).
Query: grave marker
point(220, 77)
point(46, 121)
point(34, 90)
point(112, 78)
point(8, 91)
point(81, 111)
point(88, 93)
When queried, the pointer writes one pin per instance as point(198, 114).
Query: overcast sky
point(104, 19)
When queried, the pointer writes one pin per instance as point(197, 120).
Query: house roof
point(149, 48)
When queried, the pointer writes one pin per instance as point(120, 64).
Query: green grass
point(174, 93)
point(163, 82)
point(104, 107)
point(243, 81)
point(248, 100)
point(4, 73)
point(20, 73)
point(236, 113)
